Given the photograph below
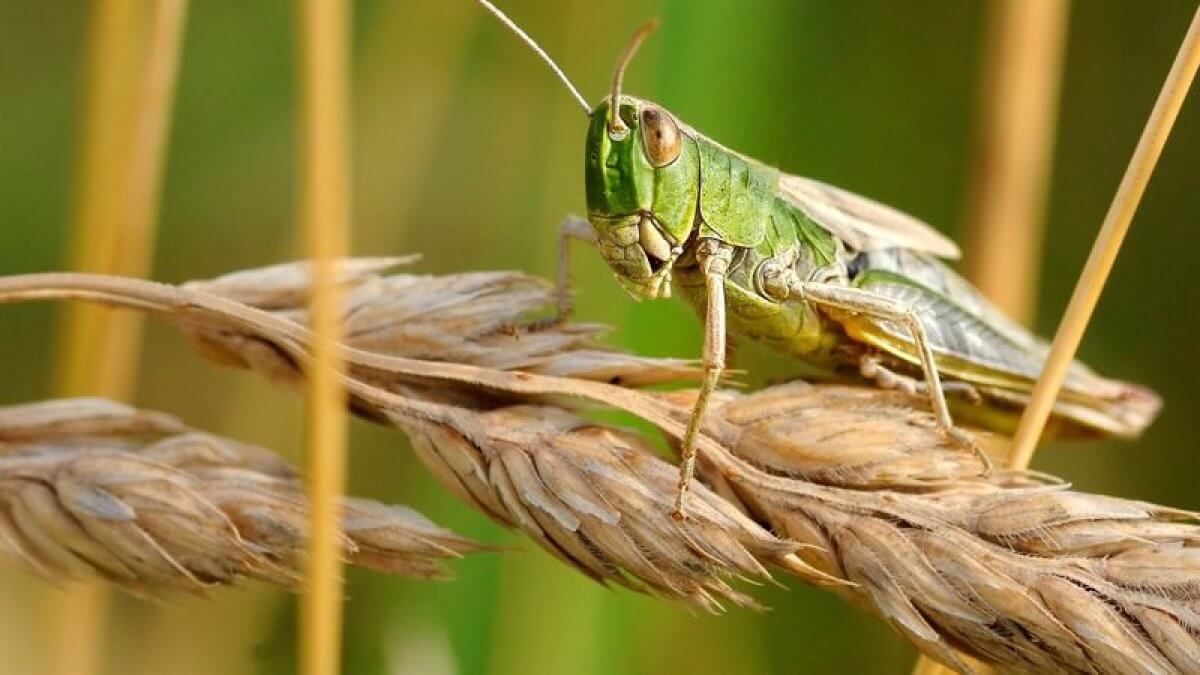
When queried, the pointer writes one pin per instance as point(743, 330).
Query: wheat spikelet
point(479, 318)
point(1014, 570)
point(846, 487)
point(90, 487)
point(596, 497)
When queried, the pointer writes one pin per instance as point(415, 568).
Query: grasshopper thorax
point(642, 179)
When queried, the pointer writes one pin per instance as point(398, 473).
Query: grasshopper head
point(642, 176)
point(642, 171)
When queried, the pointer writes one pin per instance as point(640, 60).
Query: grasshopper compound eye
point(660, 137)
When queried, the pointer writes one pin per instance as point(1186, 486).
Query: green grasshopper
point(837, 280)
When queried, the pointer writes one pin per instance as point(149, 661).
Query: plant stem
point(325, 211)
point(1107, 245)
point(129, 101)
point(1017, 111)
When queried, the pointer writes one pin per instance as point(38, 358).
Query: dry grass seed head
point(89, 487)
point(854, 484)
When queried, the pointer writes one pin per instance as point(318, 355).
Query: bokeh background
point(467, 150)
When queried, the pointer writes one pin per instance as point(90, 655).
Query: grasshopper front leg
point(713, 258)
point(572, 227)
point(855, 300)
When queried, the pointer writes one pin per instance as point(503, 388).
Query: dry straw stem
point(93, 488)
point(130, 94)
point(846, 487)
point(324, 190)
point(1108, 244)
point(1017, 110)
point(1016, 114)
point(129, 101)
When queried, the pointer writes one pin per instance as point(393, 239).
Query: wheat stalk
point(845, 487)
point(1016, 111)
point(93, 488)
point(1017, 106)
point(1107, 245)
point(323, 29)
point(129, 98)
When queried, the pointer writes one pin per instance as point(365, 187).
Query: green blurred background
point(467, 150)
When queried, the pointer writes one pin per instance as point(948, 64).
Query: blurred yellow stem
point(325, 211)
point(128, 109)
point(1018, 107)
point(1017, 110)
point(1107, 245)
point(1100, 261)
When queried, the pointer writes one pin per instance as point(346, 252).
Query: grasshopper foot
point(563, 309)
point(548, 323)
point(679, 512)
point(967, 442)
point(967, 391)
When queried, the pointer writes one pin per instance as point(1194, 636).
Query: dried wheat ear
point(849, 488)
point(90, 487)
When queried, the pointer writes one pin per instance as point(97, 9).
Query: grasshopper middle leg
point(851, 299)
point(871, 367)
point(713, 258)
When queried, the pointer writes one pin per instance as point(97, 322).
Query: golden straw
point(1108, 243)
point(129, 101)
point(325, 210)
point(1017, 110)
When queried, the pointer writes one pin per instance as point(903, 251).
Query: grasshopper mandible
point(837, 280)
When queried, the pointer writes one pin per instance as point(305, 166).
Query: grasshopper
point(837, 280)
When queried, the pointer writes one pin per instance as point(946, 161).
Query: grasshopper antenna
point(512, 26)
point(616, 127)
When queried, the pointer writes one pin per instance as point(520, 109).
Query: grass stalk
point(325, 212)
point(1108, 244)
point(128, 109)
point(1017, 111)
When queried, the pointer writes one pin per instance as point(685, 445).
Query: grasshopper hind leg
point(857, 301)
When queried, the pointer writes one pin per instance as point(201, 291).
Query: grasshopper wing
point(862, 223)
point(966, 345)
point(973, 342)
